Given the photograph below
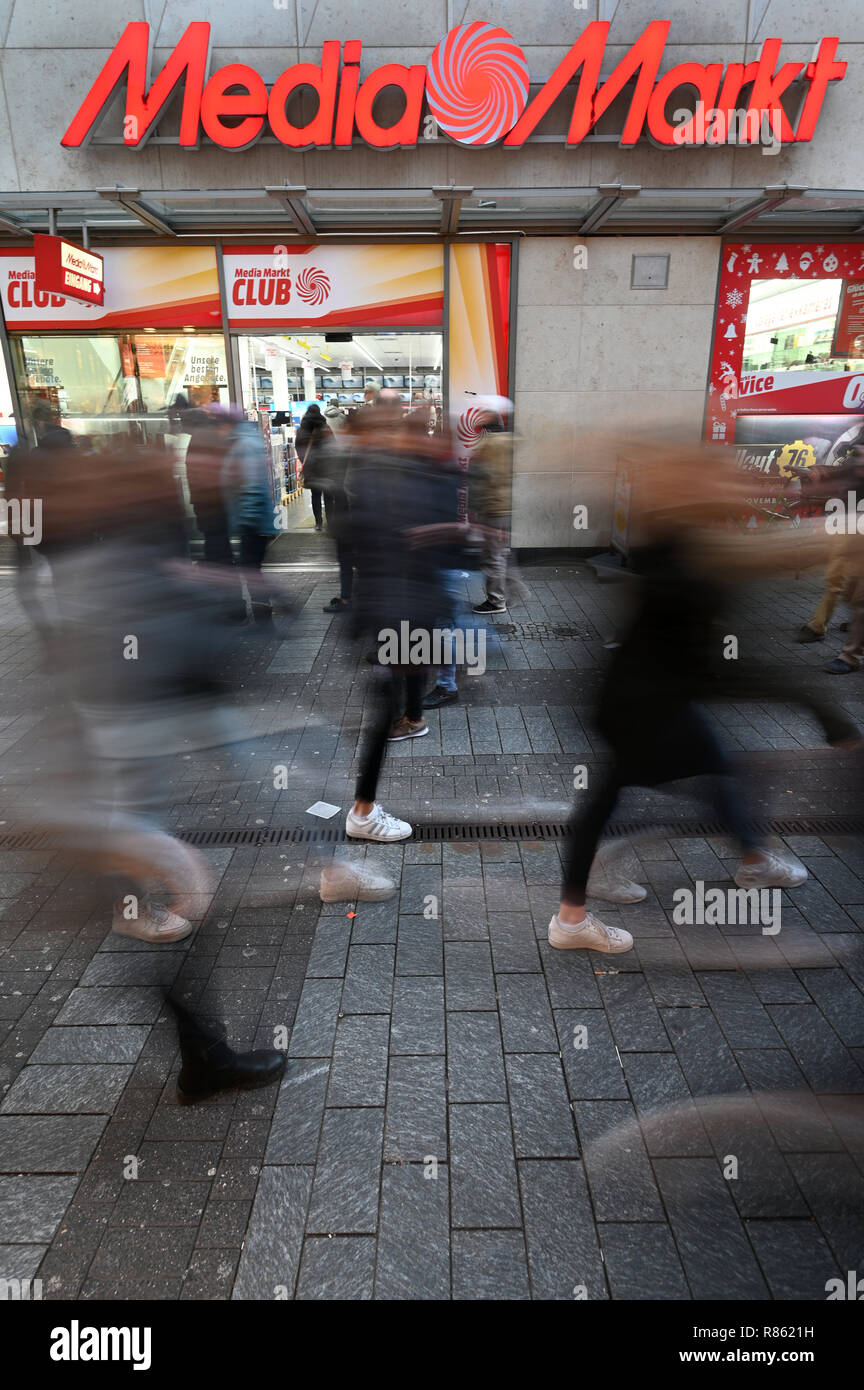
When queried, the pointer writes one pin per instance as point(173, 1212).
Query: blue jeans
point(446, 679)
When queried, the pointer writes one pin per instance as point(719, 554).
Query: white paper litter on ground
point(322, 809)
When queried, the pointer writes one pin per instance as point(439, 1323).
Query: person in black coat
point(310, 443)
point(395, 486)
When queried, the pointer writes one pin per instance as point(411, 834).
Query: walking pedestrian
point(395, 485)
point(649, 710)
point(311, 438)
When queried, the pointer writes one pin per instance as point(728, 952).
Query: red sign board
point(849, 333)
point(475, 87)
point(63, 268)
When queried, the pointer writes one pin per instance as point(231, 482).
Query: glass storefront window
point(792, 324)
point(102, 385)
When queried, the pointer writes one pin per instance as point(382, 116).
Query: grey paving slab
point(712, 1242)
point(475, 1059)
point(315, 1022)
point(490, 1265)
point(416, 1115)
point(347, 1175)
point(543, 1124)
point(338, 1267)
point(420, 947)
point(834, 1189)
point(483, 1169)
point(417, 1020)
point(299, 1112)
point(414, 1234)
point(706, 1059)
point(642, 1262)
point(48, 1143)
point(271, 1252)
point(616, 1162)
point(368, 986)
point(21, 1262)
point(31, 1207)
point(564, 1258)
point(468, 979)
point(118, 1044)
point(66, 1089)
point(669, 1117)
point(591, 1063)
point(358, 1074)
point(527, 1024)
point(825, 1062)
point(794, 1257)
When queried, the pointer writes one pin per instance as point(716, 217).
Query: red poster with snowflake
point(733, 391)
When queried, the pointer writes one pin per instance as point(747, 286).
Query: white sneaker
point(612, 887)
point(378, 825)
point(590, 935)
point(345, 883)
point(153, 923)
point(771, 871)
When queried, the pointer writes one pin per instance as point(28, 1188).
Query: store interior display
point(792, 325)
point(282, 374)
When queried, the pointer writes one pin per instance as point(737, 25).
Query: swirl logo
point(468, 427)
point(313, 285)
point(477, 83)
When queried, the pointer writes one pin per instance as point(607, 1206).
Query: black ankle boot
point(210, 1065)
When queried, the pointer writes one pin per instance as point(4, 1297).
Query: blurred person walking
point(490, 498)
point(395, 485)
point(649, 711)
point(247, 486)
point(311, 439)
point(142, 642)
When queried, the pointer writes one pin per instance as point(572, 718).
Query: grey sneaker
point(614, 887)
point(772, 871)
point(346, 883)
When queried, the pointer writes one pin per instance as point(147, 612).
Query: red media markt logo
point(475, 86)
point(477, 83)
point(313, 286)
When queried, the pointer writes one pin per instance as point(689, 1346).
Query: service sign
point(63, 268)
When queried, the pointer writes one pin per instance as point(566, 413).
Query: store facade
point(525, 204)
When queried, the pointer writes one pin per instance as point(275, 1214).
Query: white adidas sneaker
point(154, 923)
point(346, 883)
point(378, 825)
point(590, 935)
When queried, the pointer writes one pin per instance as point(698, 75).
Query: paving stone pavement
point(466, 1113)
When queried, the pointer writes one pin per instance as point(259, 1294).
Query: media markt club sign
point(475, 87)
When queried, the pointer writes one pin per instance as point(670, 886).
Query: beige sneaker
point(591, 935)
point(407, 728)
point(153, 923)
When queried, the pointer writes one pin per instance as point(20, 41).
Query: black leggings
point(399, 692)
point(587, 826)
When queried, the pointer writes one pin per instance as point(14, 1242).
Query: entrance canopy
point(295, 211)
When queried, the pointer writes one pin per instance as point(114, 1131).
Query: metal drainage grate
point(541, 632)
point(470, 833)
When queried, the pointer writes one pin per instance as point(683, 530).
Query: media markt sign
point(475, 88)
point(61, 267)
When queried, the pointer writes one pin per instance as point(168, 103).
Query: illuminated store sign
point(475, 88)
